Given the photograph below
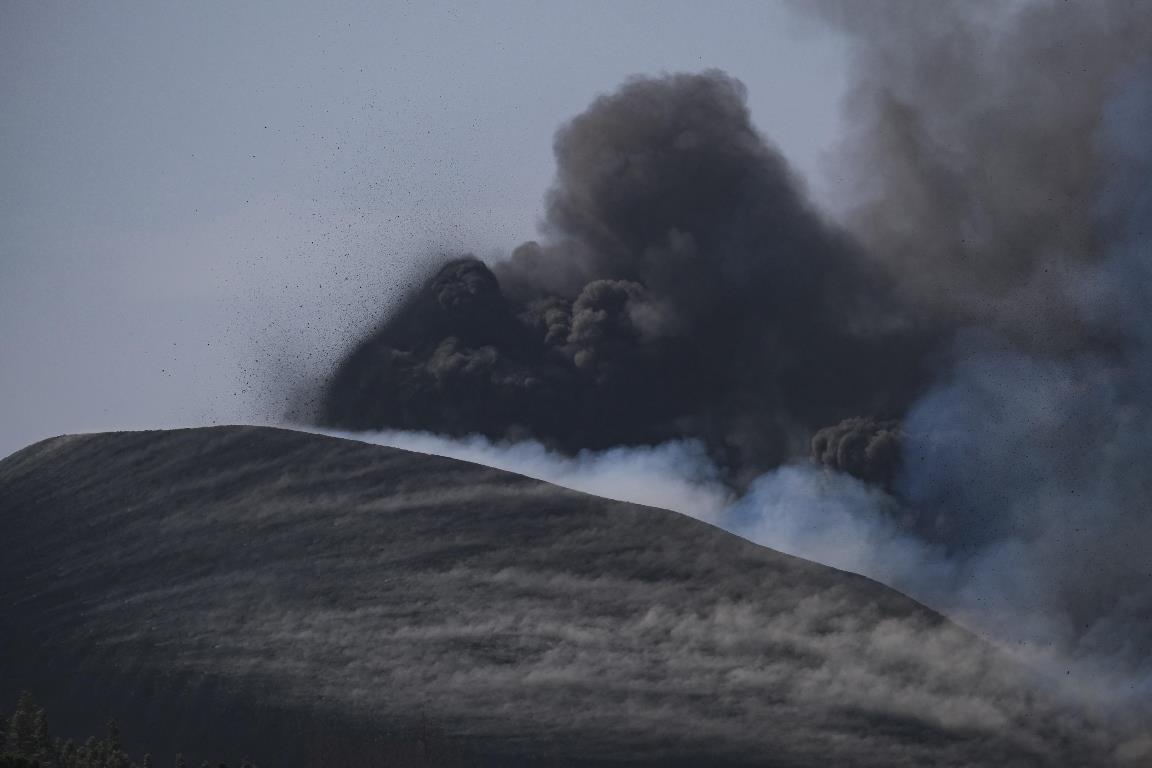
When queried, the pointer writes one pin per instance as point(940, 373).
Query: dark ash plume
point(683, 287)
point(866, 448)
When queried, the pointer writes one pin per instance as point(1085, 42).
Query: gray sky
point(201, 202)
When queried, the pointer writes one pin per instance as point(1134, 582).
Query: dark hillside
point(304, 600)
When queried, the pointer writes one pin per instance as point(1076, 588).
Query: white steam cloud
point(675, 475)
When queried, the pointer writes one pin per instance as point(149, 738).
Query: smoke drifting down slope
point(974, 340)
point(998, 165)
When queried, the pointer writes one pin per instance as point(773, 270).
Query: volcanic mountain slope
point(297, 598)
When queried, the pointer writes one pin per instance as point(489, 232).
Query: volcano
point(308, 600)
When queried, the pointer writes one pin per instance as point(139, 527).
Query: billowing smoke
point(683, 288)
point(973, 343)
point(866, 448)
point(998, 166)
point(974, 166)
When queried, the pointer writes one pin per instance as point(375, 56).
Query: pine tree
point(115, 756)
point(21, 737)
point(41, 744)
point(180, 761)
point(113, 736)
point(68, 754)
point(147, 761)
point(90, 753)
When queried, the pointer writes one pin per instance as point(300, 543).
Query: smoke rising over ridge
point(998, 162)
point(972, 337)
point(683, 288)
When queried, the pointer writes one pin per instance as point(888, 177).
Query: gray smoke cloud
point(973, 165)
point(998, 162)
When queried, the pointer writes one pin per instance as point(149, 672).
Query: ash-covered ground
point(277, 591)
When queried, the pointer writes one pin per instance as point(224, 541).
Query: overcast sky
point(200, 202)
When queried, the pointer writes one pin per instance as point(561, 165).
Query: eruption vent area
point(683, 289)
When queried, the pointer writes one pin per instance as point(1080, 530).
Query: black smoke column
point(682, 288)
